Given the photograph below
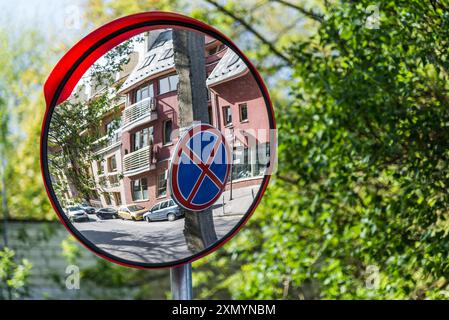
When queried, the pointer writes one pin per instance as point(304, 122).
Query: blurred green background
point(358, 206)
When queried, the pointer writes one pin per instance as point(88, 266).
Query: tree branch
point(309, 13)
point(288, 179)
point(252, 30)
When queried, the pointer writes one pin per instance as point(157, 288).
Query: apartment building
point(239, 111)
point(132, 158)
point(149, 118)
point(106, 170)
point(151, 115)
point(108, 167)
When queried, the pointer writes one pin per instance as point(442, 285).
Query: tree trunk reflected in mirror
point(188, 46)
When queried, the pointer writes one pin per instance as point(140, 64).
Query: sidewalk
point(241, 200)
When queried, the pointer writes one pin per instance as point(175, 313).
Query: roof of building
point(230, 66)
point(158, 59)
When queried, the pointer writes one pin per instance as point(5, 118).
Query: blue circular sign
point(200, 168)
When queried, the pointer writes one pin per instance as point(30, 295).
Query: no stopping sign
point(200, 168)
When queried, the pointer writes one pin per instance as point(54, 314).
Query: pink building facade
point(150, 120)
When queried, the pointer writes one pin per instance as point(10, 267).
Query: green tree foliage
point(74, 133)
point(276, 24)
point(73, 138)
point(358, 207)
point(23, 68)
point(13, 275)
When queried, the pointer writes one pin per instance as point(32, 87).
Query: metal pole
point(181, 282)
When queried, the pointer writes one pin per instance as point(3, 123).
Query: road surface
point(162, 241)
point(140, 241)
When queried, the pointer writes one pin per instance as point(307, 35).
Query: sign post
point(181, 282)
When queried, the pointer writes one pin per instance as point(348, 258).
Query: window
point(164, 204)
point(241, 166)
point(227, 115)
point(147, 61)
point(161, 39)
point(140, 139)
point(243, 110)
point(233, 60)
point(114, 180)
point(167, 131)
point(133, 208)
point(168, 84)
point(167, 54)
point(107, 198)
point(117, 198)
point(112, 164)
point(156, 207)
point(100, 168)
point(139, 189)
point(103, 182)
point(162, 184)
point(144, 92)
point(94, 195)
point(112, 125)
point(216, 49)
point(263, 157)
point(112, 132)
point(212, 51)
point(209, 111)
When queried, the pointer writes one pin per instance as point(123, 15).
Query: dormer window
point(161, 39)
point(167, 54)
point(147, 61)
point(216, 49)
point(233, 60)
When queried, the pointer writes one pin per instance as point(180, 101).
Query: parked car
point(77, 214)
point(165, 210)
point(86, 207)
point(131, 212)
point(107, 213)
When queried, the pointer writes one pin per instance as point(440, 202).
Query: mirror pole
point(181, 282)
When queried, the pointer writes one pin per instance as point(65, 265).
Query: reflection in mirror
point(110, 145)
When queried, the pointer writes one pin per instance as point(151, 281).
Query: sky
point(49, 16)
point(53, 18)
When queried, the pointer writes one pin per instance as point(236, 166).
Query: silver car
point(165, 210)
point(76, 214)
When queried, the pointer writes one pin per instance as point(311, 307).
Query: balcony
point(110, 181)
point(137, 162)
point(107, 142)
point(139, 113)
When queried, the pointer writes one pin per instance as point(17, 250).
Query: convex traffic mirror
point(158, 140)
